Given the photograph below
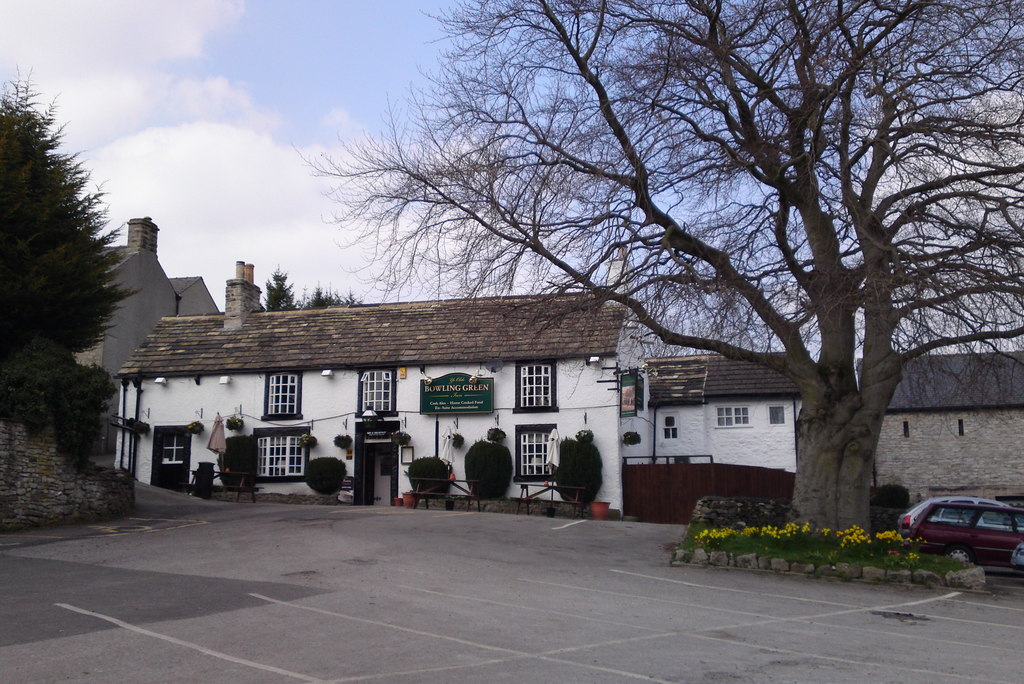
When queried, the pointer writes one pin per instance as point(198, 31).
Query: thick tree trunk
point(835, 455)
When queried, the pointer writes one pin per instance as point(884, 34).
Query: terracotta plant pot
point(599, 510)
point(408, 499)
point(399, 501)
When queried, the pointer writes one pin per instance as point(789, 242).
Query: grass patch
point(799, 544)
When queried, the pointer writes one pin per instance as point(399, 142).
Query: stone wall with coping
point(39, 486)
point(718, 511)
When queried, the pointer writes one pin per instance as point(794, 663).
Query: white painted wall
point(329, 404)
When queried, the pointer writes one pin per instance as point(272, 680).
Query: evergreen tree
point(321, 298)
point(279, 295)
point(55, 263)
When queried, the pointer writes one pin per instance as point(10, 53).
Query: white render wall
point(328, 406)
point(757, 444)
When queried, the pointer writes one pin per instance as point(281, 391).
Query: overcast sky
point(198, 113)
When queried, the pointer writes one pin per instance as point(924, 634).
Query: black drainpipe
point(654, 436)
point(124, 409)
point(133, 454)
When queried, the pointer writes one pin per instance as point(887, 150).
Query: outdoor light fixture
point(225, 379)
point(160, 381)
point(593, 359)
point(328, 373)
point(369, 414)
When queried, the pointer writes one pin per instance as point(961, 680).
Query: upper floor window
point(377, 391)
point(670, 429)
point(733, 416)
point(535, 387)
point(533, 455)
point(776, 415)
point(283, 395)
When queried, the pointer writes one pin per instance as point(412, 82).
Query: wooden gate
point(667, 492)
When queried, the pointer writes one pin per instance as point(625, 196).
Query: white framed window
point(281, 456)
point(733, 416)
point(535, 386)
point(776, 415)
point(174, 449)
point(282, 397)
point(377, 391)
point(670, 428)
point(533, 443)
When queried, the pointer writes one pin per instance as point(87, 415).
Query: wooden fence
point(667, 493)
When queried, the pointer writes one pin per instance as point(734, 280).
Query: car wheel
point(960, 552)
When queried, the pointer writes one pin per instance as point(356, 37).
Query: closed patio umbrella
point(216, 443)
point(552, 462)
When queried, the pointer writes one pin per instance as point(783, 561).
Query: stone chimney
point(241, 298)
point(616, 271)
point(142, 235)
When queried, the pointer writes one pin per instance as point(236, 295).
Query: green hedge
point(240, 456)
point(491, 464)
point(579, 465)
point(431, 467)
point(325, 475)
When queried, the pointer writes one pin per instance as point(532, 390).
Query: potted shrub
point(195, 427)
point(241, 455)
point(579, 465)
point(234, 423)
point(496, 435)
point(429, 468)
point(491, 464)
point(325, 475)
point(630, 438)
point(343, 441)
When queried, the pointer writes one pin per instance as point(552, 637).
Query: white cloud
point(220, 194)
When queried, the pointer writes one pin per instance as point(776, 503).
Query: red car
point(973, 533)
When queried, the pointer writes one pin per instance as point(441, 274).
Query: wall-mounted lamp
point(593, 359)
point(160, 381)
point(327, 373)
point(428, 380)
point(494, 365)
point(368, 414)
point(225, 379)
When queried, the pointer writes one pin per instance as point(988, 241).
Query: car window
point(951, 515)
point(995, 520)
point(1019, 519)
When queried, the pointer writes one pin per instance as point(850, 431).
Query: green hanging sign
point(457, 393)
point(631, 394)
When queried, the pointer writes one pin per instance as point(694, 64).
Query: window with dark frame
point(377, 391)
point(283, 396)
point(670, 428)
point(776, 415)
point(280, 456)
point(532, 452)
point(536, 386)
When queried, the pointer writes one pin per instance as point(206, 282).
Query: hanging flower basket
point(631, 438)
point(234, 423)
point(195, 427)
point(307, 440)
point(585, 436)
point(343, 441)
point(401, 438)
point(496, 435)
point(458, 440)
point(137, 426)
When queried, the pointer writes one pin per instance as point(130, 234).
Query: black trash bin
point(204, 480)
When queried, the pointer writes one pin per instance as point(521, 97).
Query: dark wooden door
point(172, 457)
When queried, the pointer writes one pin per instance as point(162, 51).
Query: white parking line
point(570, 524)
point(188, 644)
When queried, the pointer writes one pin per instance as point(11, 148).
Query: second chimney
point(241, 298)
point(142, 235)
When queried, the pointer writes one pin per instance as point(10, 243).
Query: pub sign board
point(457, 393)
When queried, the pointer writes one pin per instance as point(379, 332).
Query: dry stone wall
point(39, 486)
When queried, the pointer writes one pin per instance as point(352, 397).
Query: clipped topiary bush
point(325, 475)
point(240, 456)
point(432, 468)
point(491, 464)
point(579, 465)
point(891, 496)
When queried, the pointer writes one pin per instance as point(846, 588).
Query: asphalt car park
point(192, 590)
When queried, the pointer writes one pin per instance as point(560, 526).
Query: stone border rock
point(970, 578)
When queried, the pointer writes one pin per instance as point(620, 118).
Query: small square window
point(733, 416)
point(670, 429)
point(777, 415)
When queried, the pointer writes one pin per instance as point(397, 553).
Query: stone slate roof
point(693, 379)
point(182, 284)
point(960, 381)
point(459, 330)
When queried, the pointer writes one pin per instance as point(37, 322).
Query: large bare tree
point(798, 183)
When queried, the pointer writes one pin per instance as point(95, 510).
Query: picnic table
point(424, 489)
point(570, 495)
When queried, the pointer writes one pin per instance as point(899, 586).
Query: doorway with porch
point(172, 457)
point(376, 465)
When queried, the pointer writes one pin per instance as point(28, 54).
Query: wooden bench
point(424, 489)
point(570, 495)
point(239, 483)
